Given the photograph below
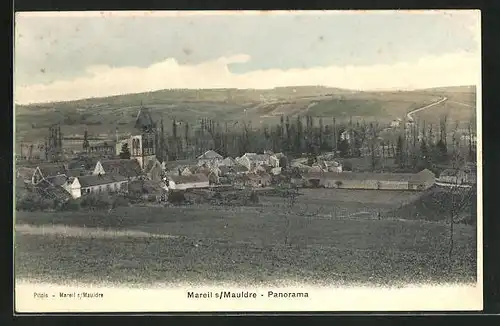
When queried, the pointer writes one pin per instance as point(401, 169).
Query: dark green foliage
point(125, 152)
point(400, 155)
point(71, 205)
point(283, 163)
point(347, 166)
point(176, 197)
point(254, 197)
point(436, 205)
point(32, 201)
point(441, 152)
point(343, 148)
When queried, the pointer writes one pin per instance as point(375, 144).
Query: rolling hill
point(103, 115)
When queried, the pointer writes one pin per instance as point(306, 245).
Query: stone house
point(182, 182)
point(210, 158)
point(129, 169)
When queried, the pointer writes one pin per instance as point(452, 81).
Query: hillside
point(436, 204)
point(102, 115)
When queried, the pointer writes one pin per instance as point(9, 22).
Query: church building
point(142, 145)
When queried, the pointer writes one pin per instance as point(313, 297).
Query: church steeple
point(144, 121)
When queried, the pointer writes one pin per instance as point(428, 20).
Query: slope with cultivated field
point(103, 115)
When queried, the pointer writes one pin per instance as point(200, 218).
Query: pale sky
point(68, 56)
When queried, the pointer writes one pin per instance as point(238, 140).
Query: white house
point(44, 171)
point(463, 176)
point(252, 160)
point(274, 161)
point(73, 186)
point(228, 161)
point(331, 166)
point(346, 135)
point(210, 158)
point(395, 123)
point(101, 183)
point(182, 182)
point(276, 170)
point(124, 167)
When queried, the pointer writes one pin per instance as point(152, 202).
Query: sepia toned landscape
point(318, 184)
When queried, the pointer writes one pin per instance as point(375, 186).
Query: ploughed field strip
point(242, 246)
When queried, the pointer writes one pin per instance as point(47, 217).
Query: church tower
point(143, 147)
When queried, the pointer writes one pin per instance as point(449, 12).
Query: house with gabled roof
point(129, 169)
point(43, 171)
point(47, 189)
point(253, 160)
point(102, 183)
point(253, 180)
point(228, 161)
point(210, 158)
point(25, 174)
point(154, 170)
point(182, 182)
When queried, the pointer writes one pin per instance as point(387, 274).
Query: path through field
point(409, 115)
point(83, 232)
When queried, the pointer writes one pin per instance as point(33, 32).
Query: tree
point(86, 140)
point(347, 166)
point(373, 140)
point(311, 159)
point(283, 162)
point(290, 196)
point(399, 152)
point(423, 162)
point(459, 198)
point(288, 134)
point(254, 197)
point(321, 137)
point(441, 151)
point(299, 135)
point(470, 138)
point(455, 198)
point(125, 152)
point(343, 148)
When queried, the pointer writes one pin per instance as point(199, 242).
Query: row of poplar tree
point(413, 146)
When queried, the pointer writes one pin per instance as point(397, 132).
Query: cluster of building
point(463, 176)
point(101, 170)
point(93, 174)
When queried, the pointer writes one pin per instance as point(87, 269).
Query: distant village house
point(182, 182)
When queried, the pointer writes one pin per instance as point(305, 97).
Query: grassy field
point(243, 244)
point(102, 115)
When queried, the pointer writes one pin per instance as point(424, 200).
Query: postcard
point(247, 161)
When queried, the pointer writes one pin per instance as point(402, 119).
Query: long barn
point(375, 181)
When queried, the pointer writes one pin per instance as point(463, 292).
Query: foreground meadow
point(262, 244)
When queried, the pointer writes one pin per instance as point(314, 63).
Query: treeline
point(411, 145)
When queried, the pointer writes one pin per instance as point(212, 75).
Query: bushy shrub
point(32, 201)
point(97, 201)
point(120, 201)
point(347, 166)
point(70, 205)
point(176, 197)
point(254, 197)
